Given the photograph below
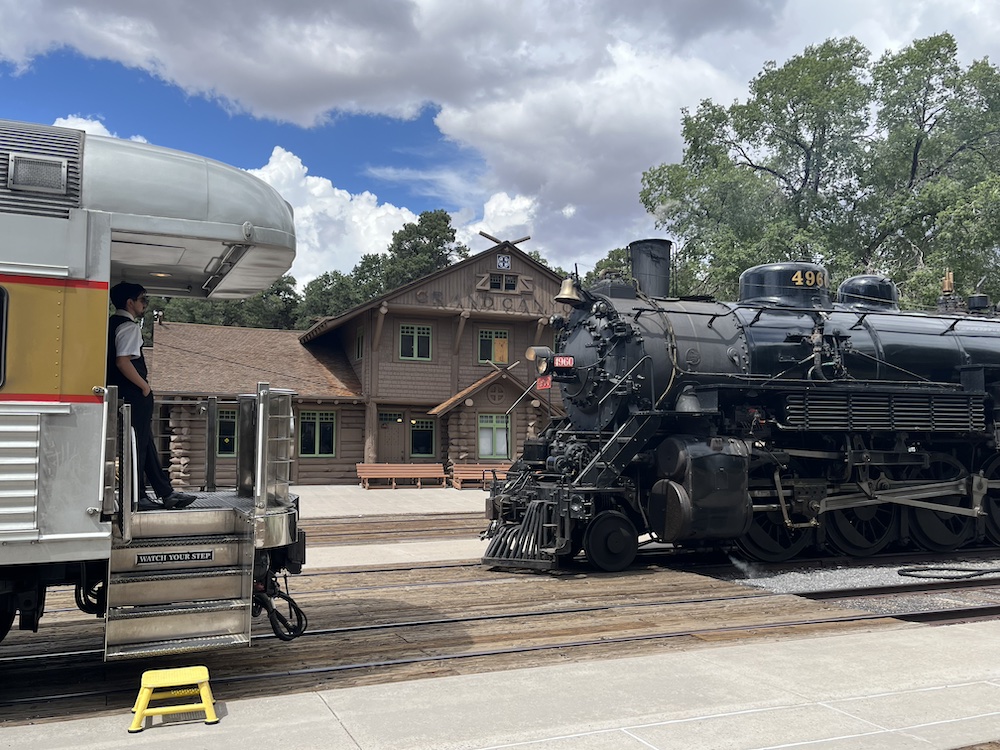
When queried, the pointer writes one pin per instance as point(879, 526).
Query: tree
point(416, 250)
point(615, 262)
point(420, 249)
point(325, 296)
point(834, 158)
point(274, 308)
point(537, 256)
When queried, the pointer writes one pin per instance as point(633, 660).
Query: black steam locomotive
point(777, 423)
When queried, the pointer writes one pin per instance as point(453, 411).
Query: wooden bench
point(395, 472)
point(477, 474)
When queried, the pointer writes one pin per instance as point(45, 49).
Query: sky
point(518, 118)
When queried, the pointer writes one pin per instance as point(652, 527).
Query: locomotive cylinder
point(703, 494)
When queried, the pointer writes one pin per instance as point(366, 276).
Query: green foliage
point(325, 296)
point(420, 249)
point(615, 262)
point(887, 166)
point(416, 250)
point(536, 256)
point(274, 308)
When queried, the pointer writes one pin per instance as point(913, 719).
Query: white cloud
point(92, 126)
point(504, 217)
point(562, 105)
point(333, 228)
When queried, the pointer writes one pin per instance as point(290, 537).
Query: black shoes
point(173, 501)
point(147, 503)
point(177, 500)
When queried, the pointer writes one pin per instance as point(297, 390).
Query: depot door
point(391, 437)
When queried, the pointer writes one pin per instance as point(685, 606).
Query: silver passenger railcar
point(79, 213)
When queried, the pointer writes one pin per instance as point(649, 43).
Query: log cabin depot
point(427, 373)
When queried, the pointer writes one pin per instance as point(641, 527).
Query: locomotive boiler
point(776, 423)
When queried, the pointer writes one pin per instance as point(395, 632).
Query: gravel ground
point(852, 575)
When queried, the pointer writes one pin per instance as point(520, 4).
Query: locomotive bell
point(569, 294)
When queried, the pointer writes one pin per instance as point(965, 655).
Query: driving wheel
point(770, 540)
point(863, 531)
point(611, 541)
point(936, 530)
point(991, 503)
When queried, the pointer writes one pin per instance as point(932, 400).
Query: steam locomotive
point(784, 421)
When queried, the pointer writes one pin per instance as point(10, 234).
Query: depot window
point(493, 346)
point(493, 436)
point(226, 433)
point(422, 438)
point(506, 282)
point(317, 433)
point(415, 342)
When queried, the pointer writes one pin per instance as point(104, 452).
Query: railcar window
point(422, 438)
point(493, 431)
point(3, 337)
point(493, 346)
point(227, 432)
point(317, 433)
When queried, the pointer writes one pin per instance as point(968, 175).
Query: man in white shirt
point(127, 370)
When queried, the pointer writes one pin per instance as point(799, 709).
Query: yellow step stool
point(173, 683)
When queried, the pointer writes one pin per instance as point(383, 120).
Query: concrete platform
point(915, 687)
point(342, 501)
point(338, 500)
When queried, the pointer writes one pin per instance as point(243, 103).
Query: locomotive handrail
point(627, 374)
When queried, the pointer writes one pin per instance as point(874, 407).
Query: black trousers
point(149, 460)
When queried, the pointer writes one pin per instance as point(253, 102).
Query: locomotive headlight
point(542, 356)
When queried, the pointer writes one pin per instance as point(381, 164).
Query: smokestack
point(651, 266)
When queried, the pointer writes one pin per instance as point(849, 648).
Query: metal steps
point(620, 449)
point(178, 646)
point(186, 586)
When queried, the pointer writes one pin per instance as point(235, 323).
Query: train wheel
point(7, 613)
point(611, 541)
point(770, 540)
point(991, 503)
point(863, 531)
point(940, 531)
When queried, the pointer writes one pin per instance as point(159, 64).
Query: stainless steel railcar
point(79, 213)
point(777, 422)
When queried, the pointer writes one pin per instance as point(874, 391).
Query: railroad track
point(392, 528)
point(371, 627)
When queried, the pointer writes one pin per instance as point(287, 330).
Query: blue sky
point(132, 102)
point(519, 118)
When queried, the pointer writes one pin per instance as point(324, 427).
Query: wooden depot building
point(430, 373)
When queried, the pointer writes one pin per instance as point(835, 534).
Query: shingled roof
point(194, 359)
